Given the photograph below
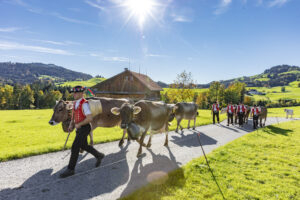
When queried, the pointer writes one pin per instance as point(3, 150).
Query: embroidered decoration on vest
point(79, 115)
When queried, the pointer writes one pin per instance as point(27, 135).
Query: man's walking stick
point(66, 141)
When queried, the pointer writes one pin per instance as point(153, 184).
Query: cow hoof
point(193, 128)
point(166, 144)
point(148, 145)
point(176, 131)
point(121, 143)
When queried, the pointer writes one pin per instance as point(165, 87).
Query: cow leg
point(122, 139)
point(167, 131)
point(195, 123)
point(178, 124)
point(189, 124)
point(91, 138)
point(141, 143)
point(149, 141)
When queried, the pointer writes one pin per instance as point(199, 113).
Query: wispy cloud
point(157, 55)
point(277, 3)
point(9, 29)
point(72, 20)
point(110, 58)
point(95, 4)
point(65, 43)
point(180, 18)
point(17, 46)
point(223, 6)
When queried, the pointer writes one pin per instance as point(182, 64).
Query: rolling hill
point(281, 75)
point(26, 73)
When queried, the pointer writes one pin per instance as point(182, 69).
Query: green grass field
point(27, 132)
point(279, 112)
point(88, 83)
point(292, 91)
point(264, 164)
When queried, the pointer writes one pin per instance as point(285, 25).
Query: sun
point(140, 9)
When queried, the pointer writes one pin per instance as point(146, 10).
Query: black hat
point(77, 88)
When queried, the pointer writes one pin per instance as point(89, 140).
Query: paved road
point(120, 172)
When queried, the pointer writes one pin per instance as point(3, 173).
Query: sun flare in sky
point(140, 10)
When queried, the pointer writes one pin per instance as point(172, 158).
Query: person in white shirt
point(215, 110)
point(255, 114)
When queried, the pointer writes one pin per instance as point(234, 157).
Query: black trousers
point(214, 115)
point(241, 118)
point(80, 142)
point(229, 118)
point(255, 121)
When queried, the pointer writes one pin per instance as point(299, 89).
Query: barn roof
point(148, 82)
point(144, 79)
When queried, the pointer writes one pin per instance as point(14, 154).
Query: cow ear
point(175, 108)
point(69, 106)
point(136, 110)
point(115, 111)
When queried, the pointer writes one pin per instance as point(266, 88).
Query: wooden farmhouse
point(130, 85)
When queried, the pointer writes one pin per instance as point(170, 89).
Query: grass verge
point(264, 164)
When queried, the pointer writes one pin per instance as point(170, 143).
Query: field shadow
point(190, 140)
point(88, 182)
point(276, 130)
point(155, 173)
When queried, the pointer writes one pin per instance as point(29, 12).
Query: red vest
point(257, 111)
point(215, 105)
point(232, 110)
point(243, 108)
point(79, 116)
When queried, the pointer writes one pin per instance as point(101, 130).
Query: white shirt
point(85, 107)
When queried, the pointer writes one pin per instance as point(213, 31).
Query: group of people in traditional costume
point(237, 111)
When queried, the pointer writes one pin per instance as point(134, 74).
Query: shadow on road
point(155, 173)
point(97, 181)
point(190, 140)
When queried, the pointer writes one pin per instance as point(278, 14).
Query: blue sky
point(213, 39)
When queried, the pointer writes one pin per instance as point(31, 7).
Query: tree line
point(40, 94)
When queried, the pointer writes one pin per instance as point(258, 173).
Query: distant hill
point(26, 73)
point(162, 84)
point(280, 75)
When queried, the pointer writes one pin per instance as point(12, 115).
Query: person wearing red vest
point(215, 110)
point(81, 117)
point(255, 114)
point(240, 111)
point(230, 111)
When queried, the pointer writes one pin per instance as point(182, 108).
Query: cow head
point(127, 112)
point(61, 112)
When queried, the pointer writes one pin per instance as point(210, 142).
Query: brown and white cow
point(263, 115)
point(63, 110)
point(146, 116)
point(187, 111)
point(247, 114)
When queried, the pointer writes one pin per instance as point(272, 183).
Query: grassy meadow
point(27, 132)
point(260, 165)
point(292, 91)
point(88, 83)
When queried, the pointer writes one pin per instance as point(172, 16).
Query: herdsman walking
point(255, 114)
point(230, 111)
point(81, 117)
point(215, 110)
point(241, 109)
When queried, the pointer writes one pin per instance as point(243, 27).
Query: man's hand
point(71, 127)
point(77, 126)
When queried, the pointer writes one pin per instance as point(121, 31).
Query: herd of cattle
point(136, 119)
